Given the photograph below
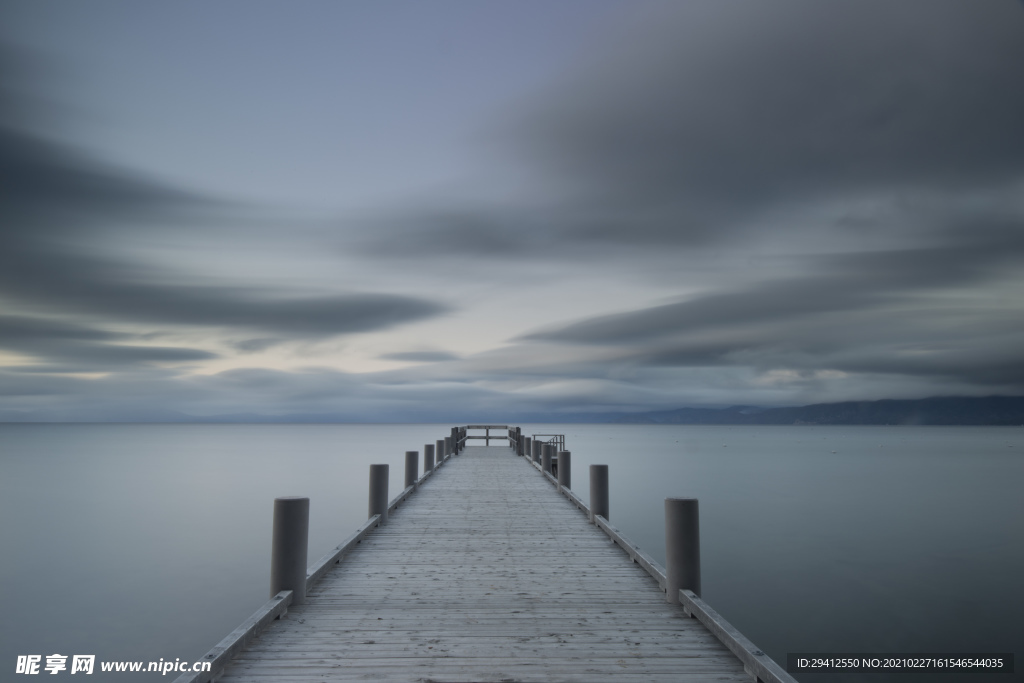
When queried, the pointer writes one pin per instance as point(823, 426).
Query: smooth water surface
point(136, 542)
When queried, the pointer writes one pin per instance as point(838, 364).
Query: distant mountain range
point(953, 410)
point(990, 410)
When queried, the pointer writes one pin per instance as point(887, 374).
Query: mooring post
point(289, 547)
point(440, 452)
point(519, 441)
point(448, 446)
point(455, 441)
point(428, 457)
point(379, 492)
point(564, 470)
point(412, 467)
point(598, 492)
point(536, 450)
point(682, 547)
point(527, 449)
point(545, 458)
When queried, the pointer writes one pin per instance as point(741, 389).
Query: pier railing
point(291, 580)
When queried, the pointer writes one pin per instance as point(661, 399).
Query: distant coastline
point(948, 410)
point(952, 410)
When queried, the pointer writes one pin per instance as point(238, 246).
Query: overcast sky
point(398, 211)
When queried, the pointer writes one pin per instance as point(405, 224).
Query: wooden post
point(448, 446)
point(527, 447)
point(519, 441)
point(428, 457)
point(598, 491)
point(682, 547)
point(545, 458)
point(536, 451)
point(379, 492)
point(564, 470)
point(455, 441)
point(487, 431)
point(289, 547)
point(412, 466)
point(440, 452)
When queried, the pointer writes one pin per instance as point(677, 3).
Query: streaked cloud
point(708, 203)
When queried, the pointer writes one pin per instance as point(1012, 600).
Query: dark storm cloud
point(732, 107)
point(837, 284)
point(715, 128)
point(686, 127)
point(67, 348)
point(824, 323)
point(61, 211)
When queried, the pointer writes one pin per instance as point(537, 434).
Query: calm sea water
point(141, 542)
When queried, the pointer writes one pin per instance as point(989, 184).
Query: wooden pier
point(486, 570)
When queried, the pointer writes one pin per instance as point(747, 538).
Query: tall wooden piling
point(379, 492)
point(289, 547)
point(598, 491)
point(565, 470)
point(682, 547)
point(412, 466)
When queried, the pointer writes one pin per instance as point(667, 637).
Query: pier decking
point(487, 573)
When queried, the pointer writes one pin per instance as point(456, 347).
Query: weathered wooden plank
point(635, 553)
point(320, 567)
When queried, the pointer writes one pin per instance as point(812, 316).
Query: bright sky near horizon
point(409, 211)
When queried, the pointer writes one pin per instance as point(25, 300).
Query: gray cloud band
point(61, 212)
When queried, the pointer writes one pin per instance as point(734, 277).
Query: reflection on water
point(136, 542)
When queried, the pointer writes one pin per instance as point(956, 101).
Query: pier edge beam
point(379, 492)
point(289, 547)
point(682, 547)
